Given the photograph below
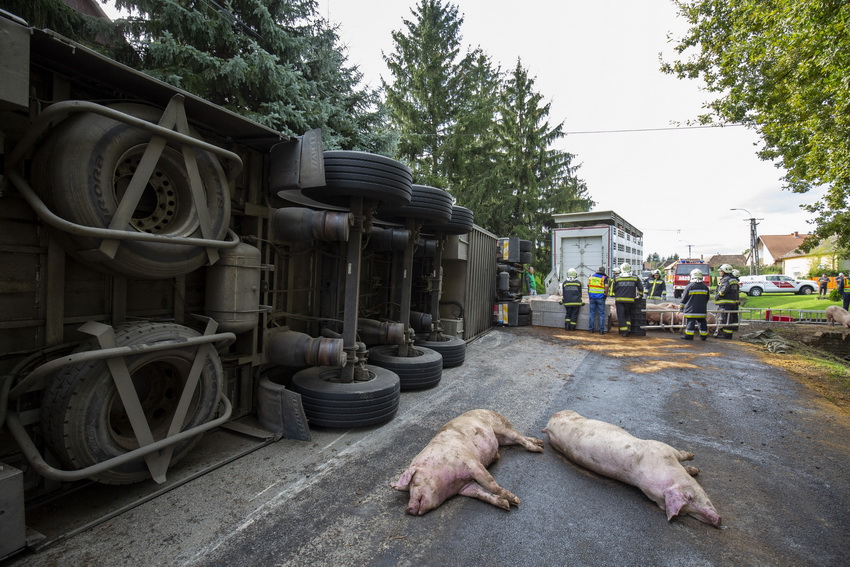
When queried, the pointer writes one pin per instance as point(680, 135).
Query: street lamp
point(754, 252)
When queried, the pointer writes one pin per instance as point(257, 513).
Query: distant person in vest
point(597, 289)
point(627, 288)
point(823, 284)
point(841, 281)
point(726, 299)
point(656, 288)
point(571, 299)
point(529, 279)
point(695, 306)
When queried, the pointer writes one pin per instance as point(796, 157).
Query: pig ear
point(403, 481)
point(674, 500)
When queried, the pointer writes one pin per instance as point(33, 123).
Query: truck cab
point(682, 275)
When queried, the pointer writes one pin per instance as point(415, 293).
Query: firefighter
point(571, 299)
point(627, 288)
point(726, 299)
point(597, 289)
point(656, 288)
point(695, 306)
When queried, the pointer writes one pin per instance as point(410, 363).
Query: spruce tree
point(536, 180)
point(425, 96)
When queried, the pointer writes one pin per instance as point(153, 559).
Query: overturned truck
point(169, 267)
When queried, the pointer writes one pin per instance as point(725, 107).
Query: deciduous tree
point(781, 67)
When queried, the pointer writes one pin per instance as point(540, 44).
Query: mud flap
point(297, 164)
point(281, 412)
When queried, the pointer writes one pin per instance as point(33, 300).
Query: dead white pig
point(836, 314)
point(455, 462)
point(652, 466)
point(665, 314)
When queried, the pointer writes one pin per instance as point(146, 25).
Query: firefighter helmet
point(725, 268)
point(572, 273)
point(656, 272)
point(625, 268)
point(696, 274)
point(735, 273)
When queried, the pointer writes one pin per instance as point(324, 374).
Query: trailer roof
point(591, 218)
point(60, 54)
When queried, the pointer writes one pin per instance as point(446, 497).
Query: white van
point(775, 283)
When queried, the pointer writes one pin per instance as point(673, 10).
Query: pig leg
point(403, 483)
point(483, 477)
point(686, 456)
point(513, 437)
point(474, 490)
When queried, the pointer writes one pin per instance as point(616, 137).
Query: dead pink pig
point(652, 466)
point(836, 314)
point(455, 461)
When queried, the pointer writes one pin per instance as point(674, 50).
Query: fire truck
point(681, 275)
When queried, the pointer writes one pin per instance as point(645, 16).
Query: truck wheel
point(360, 174)
point(460, 223)
point(677, 293)
point(452, 349)
point(85, 422)
point(357, 404)
point(83, 170)
point(426, 203)
point(423, 370)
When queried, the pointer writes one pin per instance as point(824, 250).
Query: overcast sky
point(597, 62)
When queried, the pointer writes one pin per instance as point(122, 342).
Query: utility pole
point(754, 239)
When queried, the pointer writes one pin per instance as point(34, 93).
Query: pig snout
point(685, 500)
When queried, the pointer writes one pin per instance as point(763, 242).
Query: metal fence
point(784, 315)
point(745, 315)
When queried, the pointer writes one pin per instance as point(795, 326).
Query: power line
point(622, 131)
point(654, 129)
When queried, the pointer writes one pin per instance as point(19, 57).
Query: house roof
point(733, 259)
point(824, 247)
point(781, 244)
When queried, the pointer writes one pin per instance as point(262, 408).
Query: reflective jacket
point(655, 287)
point(627, 288)
point(728, 290)
point(596, 285)
point(695, 300)
point(571, 292)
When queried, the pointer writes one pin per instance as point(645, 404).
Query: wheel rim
point(158, 385)
point(159, 209)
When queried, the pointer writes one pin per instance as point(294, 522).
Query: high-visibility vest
point(596, 286)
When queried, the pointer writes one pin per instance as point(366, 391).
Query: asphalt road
point(774, 461)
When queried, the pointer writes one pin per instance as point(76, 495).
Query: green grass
point(789, 301)
point(785, 301)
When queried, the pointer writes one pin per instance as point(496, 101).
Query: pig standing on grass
point(652, 466)
point(456, 459)
point(836, 314)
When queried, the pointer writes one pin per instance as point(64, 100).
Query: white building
point(585, 241)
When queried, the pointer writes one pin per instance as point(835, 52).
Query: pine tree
point(425, 96)
point(471, 147)
point(274, 61)
point(535, 179)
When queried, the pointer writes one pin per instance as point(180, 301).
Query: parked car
point(775, 283)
